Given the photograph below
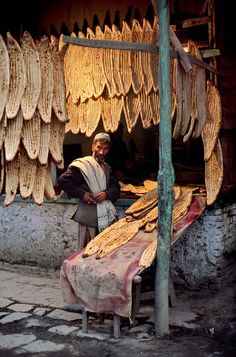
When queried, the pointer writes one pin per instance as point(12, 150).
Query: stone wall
point(39, 235)
point(205, 254)
point(45, 235)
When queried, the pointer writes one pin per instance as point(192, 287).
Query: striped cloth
point(96, 181)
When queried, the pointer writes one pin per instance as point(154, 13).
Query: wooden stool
point(137, 297)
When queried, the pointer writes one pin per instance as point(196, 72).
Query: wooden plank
point(182, 54)
point(198, 21)
point(208, 53)
point(202, 64)
point(115, 45)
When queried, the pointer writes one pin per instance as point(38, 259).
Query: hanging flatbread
point(125, 59)
point(154, 106)
point(131, 106)
point(211, 129)
point(214, 173)
point(2, 170)
point(136, 68)
point(99, 80)
point(83, 116)
point(11, 180)
point(30, 97)
point(59, 87)
point(4, 75)
point(94, 113)
point(147, 37)
point(108, 65)
point(73, 115)
point(86, 72)
point(201, 96)
point(145, 109)
point(116, 111)
point(13, 136)
point(27, 172)
point(115, 54)
point(154, 56)
point(2, 131)
point(198, 101)
point(30, 135)
point(178, 90)
point(46, 67)
point(186, 105)
point(49, 191)
point(55, 139)
point(44, 143)
point(72, 70)
point(39, 184)
point(106, 110)
point(17, 77)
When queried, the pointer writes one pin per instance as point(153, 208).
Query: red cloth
point(104, 285)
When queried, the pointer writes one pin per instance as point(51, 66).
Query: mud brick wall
point(205, 253)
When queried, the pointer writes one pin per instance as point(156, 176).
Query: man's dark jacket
point(74, 184)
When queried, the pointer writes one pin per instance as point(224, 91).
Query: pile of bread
point(142, 215)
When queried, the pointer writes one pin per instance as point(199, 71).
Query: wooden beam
point(165, 174)
point(198, 21)
point(208, 53)
point(114, 45)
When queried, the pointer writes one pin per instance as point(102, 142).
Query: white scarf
point(96, 181)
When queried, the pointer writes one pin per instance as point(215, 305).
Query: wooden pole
point(165, 174)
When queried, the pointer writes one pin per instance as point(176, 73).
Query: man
point(91, 181)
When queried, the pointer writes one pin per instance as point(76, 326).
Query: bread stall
point(57, 94)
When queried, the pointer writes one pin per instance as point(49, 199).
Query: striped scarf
point(96, 181)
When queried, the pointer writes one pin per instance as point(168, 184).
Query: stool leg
point(101, 318)
point(172, 295)
point(116, 326)
point(134, 303)
point(85, 321)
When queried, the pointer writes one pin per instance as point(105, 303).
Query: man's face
point(100, 150)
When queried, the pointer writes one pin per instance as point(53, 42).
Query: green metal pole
point(165, 174)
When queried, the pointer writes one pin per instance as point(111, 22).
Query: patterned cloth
point(105, 285)
point(96, 180)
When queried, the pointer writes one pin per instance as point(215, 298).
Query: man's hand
point(101, 196)
point(89, 199)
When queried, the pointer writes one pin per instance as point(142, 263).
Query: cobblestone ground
point(35, 321)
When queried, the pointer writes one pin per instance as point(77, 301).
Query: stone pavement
point(35, 321)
